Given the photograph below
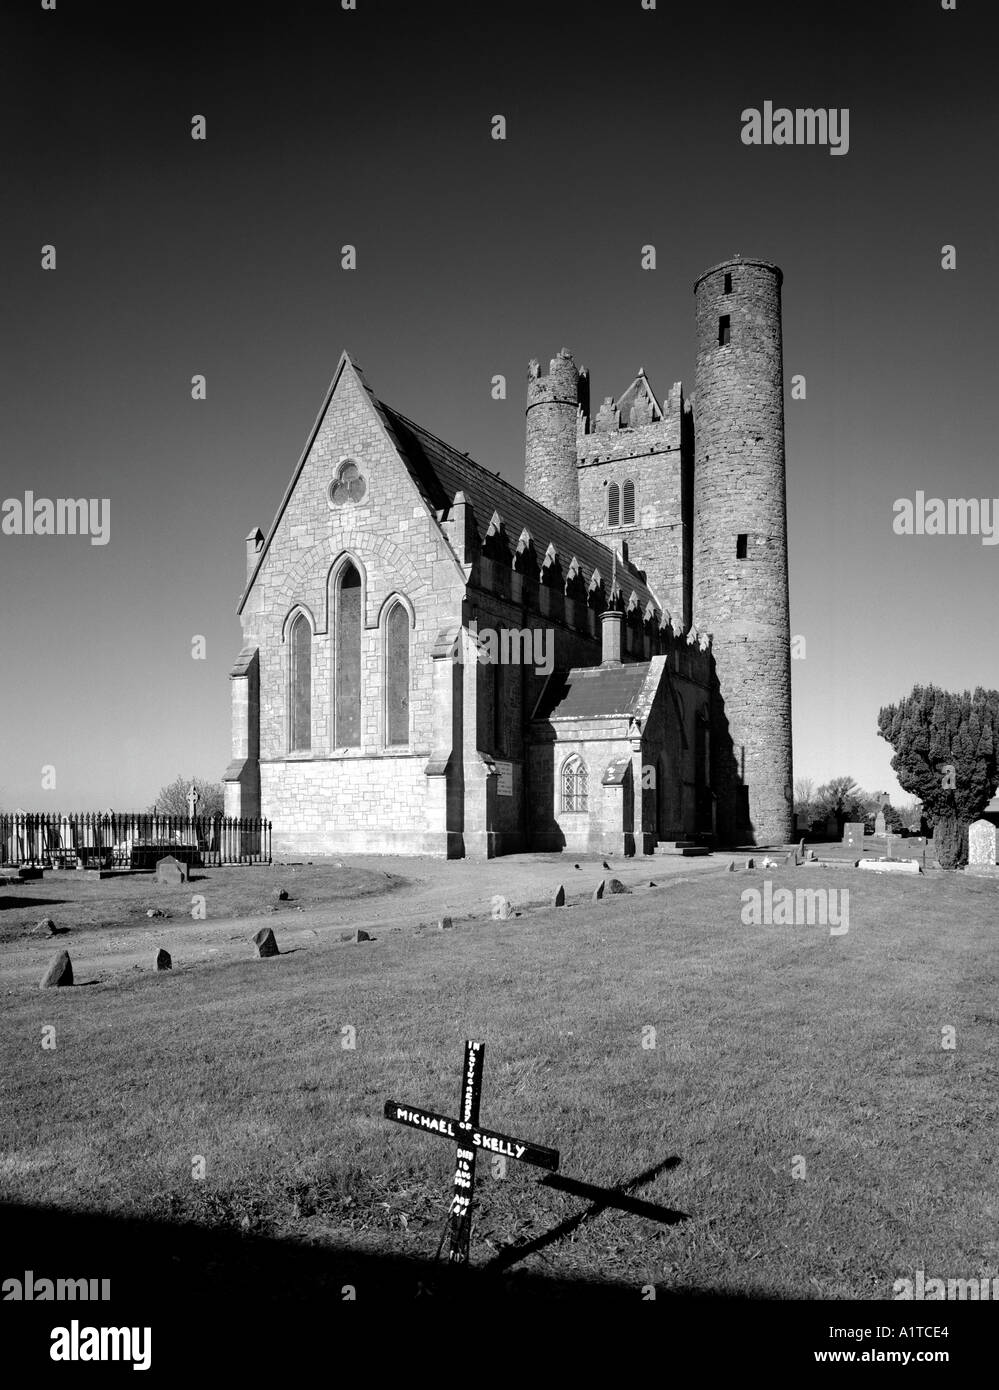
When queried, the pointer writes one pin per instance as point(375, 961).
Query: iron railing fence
point(129, 839)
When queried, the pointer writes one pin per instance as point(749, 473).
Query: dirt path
point(460, 889)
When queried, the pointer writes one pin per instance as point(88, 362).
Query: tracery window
point(575, 785)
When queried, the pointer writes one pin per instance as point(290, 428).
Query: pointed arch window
point(300, 685)
point(628, 504)
point(613, 505)
point(396, 668)
point(575, 786)
point(347, 701)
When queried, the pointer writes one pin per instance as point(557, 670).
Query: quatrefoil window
point(347, 486)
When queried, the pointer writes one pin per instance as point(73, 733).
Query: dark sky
point(373, 127)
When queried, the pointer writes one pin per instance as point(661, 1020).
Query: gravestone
point(163, 961)
point(982, 844)
point(60, 971)
point(469, 1136)
point(831, 827)
point(281, 894)
point(879, 823)
point(504, 910)
point(598, 892)
point(265, 944)
point(445, 924)
point(559, 898)
point(171, 871)
point(853, 835)
point(358, 935)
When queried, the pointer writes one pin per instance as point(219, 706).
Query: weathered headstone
point(982, 844)
point(831, 827)
point(265, 944)
point(355, 936)
point(445, 924)
point(750, 863)
point(559, 899)
point(614, 885)
point(879, 823)
point(163, 961)
point(281, 894)
point(170, 870)
point(46, 927)
point(469, 1137)
point(598, 892)
point(60, 971)
point(503, 910)
point(853, 835)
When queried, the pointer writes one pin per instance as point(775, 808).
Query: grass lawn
point(773, 1046)
point(242, 890)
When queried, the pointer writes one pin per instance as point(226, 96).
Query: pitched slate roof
point(441, 471)
point(592, 692)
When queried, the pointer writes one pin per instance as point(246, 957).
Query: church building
point(436, 662)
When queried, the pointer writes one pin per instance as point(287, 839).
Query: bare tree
point(172, 799)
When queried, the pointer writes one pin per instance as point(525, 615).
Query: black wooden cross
point(469, 1136)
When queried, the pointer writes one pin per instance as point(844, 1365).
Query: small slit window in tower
point(613, 504)
point(741, 542)
point(724, 329)
point(628, 504)
point(728, 284)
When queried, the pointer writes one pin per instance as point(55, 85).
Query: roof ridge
point(526, 496)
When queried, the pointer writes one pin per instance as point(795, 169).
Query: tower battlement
point(553, 409)
point(560, 384)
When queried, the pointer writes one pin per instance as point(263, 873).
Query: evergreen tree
point(946, 748)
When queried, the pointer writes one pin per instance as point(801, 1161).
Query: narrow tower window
point(613, 504)
point(301, 685)
point(742, 540)
point(724, 329)
point(728, 284)
point(628, 504)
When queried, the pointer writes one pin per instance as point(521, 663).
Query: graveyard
point(771, 1111)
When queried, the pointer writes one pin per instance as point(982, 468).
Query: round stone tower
point(550, 460)
point(740, 545)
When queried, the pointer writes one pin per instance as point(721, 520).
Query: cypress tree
point(946, 755)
